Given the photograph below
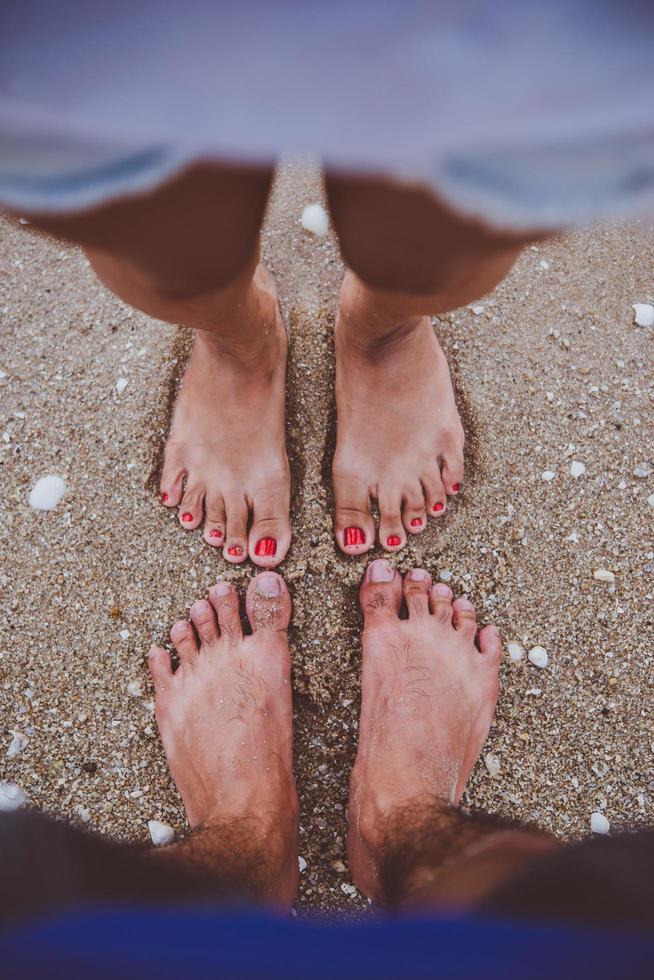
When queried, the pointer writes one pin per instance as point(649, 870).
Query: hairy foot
point(225, 721)
point(400, 439)
point(225, 459)
point(429, 687)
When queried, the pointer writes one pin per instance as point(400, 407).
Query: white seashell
point(577, 469)
point(650, 500)
point(548, 476)
point(643, 314)
point(161, 833)
point(302, 864)
point(538, 657)
point(604, 575)
point(124, 634)
point(445, 575)
point(477, 310)
point(47, 492)
point(598, 823)
point(643, 470)
point(516, 651)
point(18, 743)
point(314, 219)
point(11, 797)
point(121, 384)
point(492, 763)
point(134, 688)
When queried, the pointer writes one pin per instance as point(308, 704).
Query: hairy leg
point(188, 253)
point(429, 687)
point(400, 439)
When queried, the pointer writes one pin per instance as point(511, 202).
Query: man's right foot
point(429, 688)
point(225, 458)
point(225, 721)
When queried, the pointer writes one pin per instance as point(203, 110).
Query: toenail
point(164, 498)
point(216, 533)
point(416, 522)
point(418, 574)
point(187, 517)
point(268, 585)
point(221, 588)
point(456, 487)
point(354, 536)
point(266, 546)
point(438, 507)
point(443, 590)
point(392, 541)
point(381, 571)
point(200, 607)
point(235, 550)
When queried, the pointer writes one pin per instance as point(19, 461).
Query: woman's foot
point(225, 721)
point(225, 458)
point(429, 687)
point(400, 439)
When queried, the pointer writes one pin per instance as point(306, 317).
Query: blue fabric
point(198, 943)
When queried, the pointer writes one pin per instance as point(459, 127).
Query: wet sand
point(552, 371)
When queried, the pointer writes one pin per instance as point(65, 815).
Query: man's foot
point(429, 687)
point(400, 438)
point(225, 458)
point(225, 721)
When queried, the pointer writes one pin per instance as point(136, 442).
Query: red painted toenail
point(216, 533)
point(164, 498)
point(187, 517)
point(438, 507)
point(235, 550)
point(266, 546)
point(392, 541)
point(456, 487)
point(353, 536)
point(416, 522)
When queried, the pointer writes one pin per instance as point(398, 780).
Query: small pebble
point(445, 575)
point(302, 864)
point(543, 264)
point(339, 867)
point(516, 651)
point(643, 314)
point(124, 634)
point(548, 476)
point(477, 310)
point(134, 688)
point(348, 889)
point(11, 797)
point(650, 500)
point(604, 575)
point(492, 763)
point(161, 833)
point(121, 384)
point(47, 492)
point(577, 469)
point(18, 743)
point(314, 219)
point(538, 657)
point(598, 823)
point(643, 470)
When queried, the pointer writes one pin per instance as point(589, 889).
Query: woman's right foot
point(429, 688)
point(225, 458)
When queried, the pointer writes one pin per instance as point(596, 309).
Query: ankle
point(250, 333)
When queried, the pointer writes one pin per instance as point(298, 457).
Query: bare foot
point(225, 721)
point(429, 687)
point(400, 438)
point(225, 458)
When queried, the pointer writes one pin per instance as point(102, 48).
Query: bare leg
point(225, 721)
point(400, 439)
point(188, 254)
point(429, 687)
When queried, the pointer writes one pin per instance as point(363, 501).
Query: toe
point(391, 531)
point(380, 594)
point(465, 617)
point(452, 469)
point(270, 534)
point(414, 517)
point(204, 620)
point(268, 603)
point(435, 496)
point(440, 603)
point(416, 587)
point(160, 668)
point(172, 483)
point(490, 644)
point(191, 507)
point(353, 523)
point(214, 522)
point(235, 549)
point(224, 599)
point(184, 642)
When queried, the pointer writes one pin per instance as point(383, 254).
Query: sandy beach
point(552, 371)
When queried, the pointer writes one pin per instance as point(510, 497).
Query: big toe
point(270, 534)
point(268, 603)
point(353, 523)
point(380, 594)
